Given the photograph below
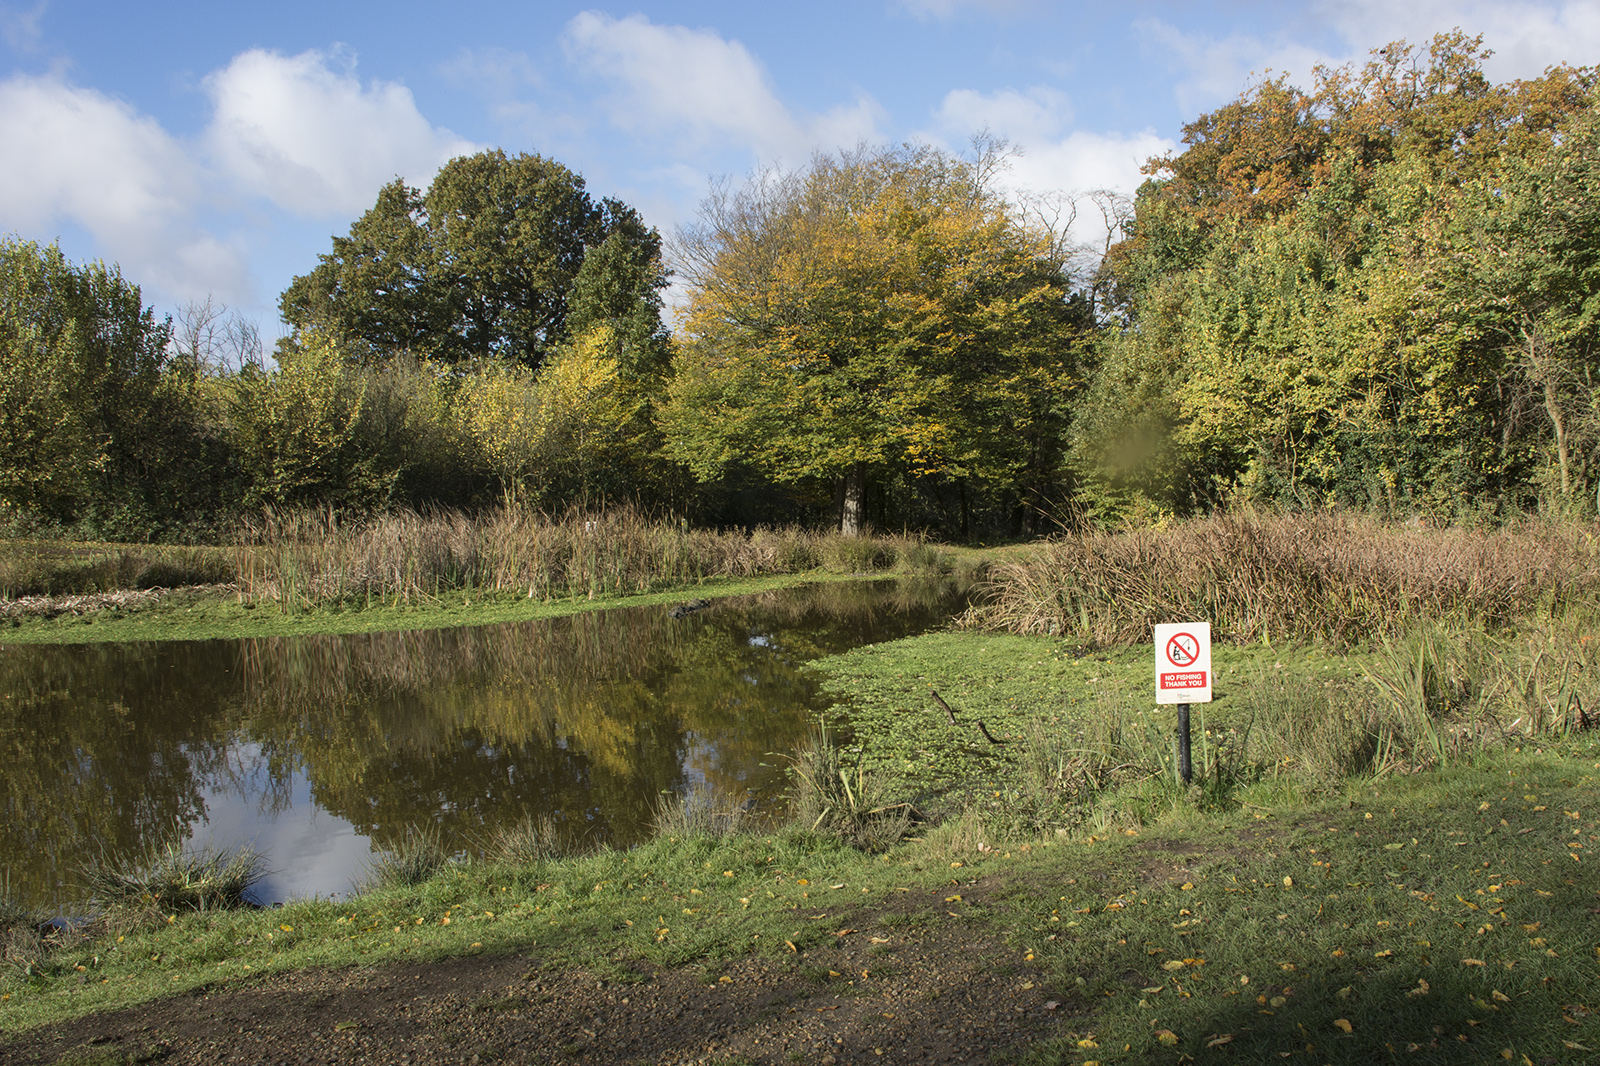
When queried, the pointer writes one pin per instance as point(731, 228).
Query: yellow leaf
point(1219, 1040)
point(1167, 1037)
point(1500, 996)
point(1384, 954)
point(1342, 1024)
point(1086, 1043)
point(1575, 1046)
point(1472, 962)
point(1172, 965)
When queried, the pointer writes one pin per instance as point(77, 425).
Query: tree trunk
point(1545, 372)
point(853, 507)
point(1552, 406)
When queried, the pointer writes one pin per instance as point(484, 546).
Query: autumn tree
point(878, 314)
point(1311, 309)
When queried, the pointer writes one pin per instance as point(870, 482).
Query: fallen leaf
point(1500, 996)
point(1384, 954)
point(1342, 1024)
point(1219, 1040)
point(880, 940)
point(791, 945)
point(952, 899)
point(1172, 965)
point(1472, 962)
point(1152, 990)
point(1086, 1043)
point(1167, 1037)
point(1051, 1004)
point(343, 1026)
point(1575, 1046)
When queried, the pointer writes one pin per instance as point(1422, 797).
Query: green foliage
point(1359, 294)
point(295, 428)
point(84, 405)
point(487, 264)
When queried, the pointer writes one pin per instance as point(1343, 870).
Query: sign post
point(1183, 676)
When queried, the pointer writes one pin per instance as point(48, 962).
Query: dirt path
point(935, 990)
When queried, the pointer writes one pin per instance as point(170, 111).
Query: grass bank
point(1440, 917)
point(304, 573)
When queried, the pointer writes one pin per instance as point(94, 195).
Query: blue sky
point(213, 149)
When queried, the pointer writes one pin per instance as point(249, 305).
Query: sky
point(212, 150)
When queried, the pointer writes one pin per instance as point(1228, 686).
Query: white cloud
point(1053, 158)
point(703, 89)
point(1219, 69)
point(76, 156)
point(1053, 161)
point(1034, 115)
point(1527, 35)
point(22, 29)
point(500, 73)
point(314, 140)
point(946, 9)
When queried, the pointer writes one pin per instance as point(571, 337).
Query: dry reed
point(1341, 580)
point(304, 558)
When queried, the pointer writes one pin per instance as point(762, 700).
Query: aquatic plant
point(1342, 580)
point(849, 802)
point(170, 877)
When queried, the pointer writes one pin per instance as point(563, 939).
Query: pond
point(320, 751)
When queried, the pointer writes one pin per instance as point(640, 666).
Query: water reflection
point(304, 744)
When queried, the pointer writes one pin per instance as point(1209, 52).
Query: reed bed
point(1345, 581)
point(36, 568)
point(306, 558)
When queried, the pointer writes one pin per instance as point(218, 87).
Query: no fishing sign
point(1183, 662)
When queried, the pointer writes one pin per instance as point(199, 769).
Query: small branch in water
point(952, 716)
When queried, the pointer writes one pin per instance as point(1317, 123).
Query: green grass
point(190, 615)
point(1441, 917)
point(1390, 883)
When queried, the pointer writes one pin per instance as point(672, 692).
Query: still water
point(317, 751)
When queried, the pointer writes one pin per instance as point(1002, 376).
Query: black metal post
point(1185, 769)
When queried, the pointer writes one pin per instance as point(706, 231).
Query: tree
point(81, 366)
point(1304, 304)
point(876, 315)
point(1525, 241)
point(485, 265)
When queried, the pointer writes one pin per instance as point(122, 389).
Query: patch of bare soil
point(913, 984)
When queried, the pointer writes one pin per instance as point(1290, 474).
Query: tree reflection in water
point(588, 718)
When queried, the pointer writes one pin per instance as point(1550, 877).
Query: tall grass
point(170, 877)
point(1342, 580)
point(852, 803)
point(57, 568)
point(304, 558)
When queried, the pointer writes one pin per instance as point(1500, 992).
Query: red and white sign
point(1183, 662)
